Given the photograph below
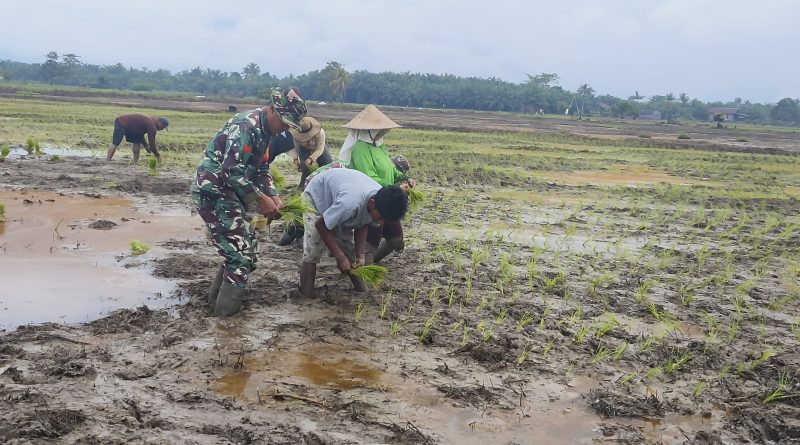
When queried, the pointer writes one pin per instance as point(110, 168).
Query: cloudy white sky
point(709, 49)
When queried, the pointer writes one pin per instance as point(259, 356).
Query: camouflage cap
point(289, 106)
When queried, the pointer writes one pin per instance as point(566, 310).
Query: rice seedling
point(293, 210)
point(698, 388)
point(138, 248)
point(2, 212)
point(619, 351)
point(601, 354)
point(653, 372)
point(766, 354)
point(372, 274)
point(780, 391)
point(576, 316)
point(628, 377)
point(429, 324)
point(642, 290)
point(523, 355)
point(607, 325)
point(360, 309)
point(580, 335)
point(547, 347)
point(551, 283)
point(674, 364)
point(415, 198)
point(278, 179)
point(5, 150)
point(387, 298)
point(152, 167)
point(465, 335)
point(523, 321)
point(394, 328)
point(32, 146)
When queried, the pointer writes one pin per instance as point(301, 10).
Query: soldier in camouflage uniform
point(232, 180)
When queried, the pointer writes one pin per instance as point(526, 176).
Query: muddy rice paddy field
point(563, 283)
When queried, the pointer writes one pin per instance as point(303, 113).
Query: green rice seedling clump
point(5, 150)
point(138, 247)
point(152, 166)
point(415, 198)
point(372, 274)
point(293, 210)
point(278, 180)
point(2, 213)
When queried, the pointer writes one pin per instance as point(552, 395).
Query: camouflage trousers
point(231, 233)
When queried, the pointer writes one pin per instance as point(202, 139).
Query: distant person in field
point(363, 150)
point(309, 148)
point(233, 180)
point(134, 127)
point(344, 203)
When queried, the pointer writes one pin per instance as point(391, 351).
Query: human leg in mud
point(392, 239)
point(234, 239)
point(338, 240)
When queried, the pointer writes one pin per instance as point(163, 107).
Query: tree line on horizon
point(540, 93)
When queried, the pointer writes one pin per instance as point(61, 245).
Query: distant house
point(653, 115)
point(731, 114)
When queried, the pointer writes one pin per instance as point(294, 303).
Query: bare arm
point(330, 242)
point(361, 245)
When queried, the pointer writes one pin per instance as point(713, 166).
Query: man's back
point(137, 123)
point(345, 192)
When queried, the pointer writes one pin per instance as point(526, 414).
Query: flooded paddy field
point(562, 283)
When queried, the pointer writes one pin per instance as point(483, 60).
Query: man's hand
point(360, 261)
point(267, 206)
point(412, 183)
point(343, 264)
point(309, 162)
point(404, 185)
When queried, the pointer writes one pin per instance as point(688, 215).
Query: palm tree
point(338, 80)
point(584, 90)
point(251, 70)
point(669, 98)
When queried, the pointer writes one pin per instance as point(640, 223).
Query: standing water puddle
point(67, 259)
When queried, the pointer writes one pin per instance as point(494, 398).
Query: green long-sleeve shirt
point(375, 162)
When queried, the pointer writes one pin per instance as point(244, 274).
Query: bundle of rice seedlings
point(278, 180)
point(139, 248)
point(373, 275)
point(2, 213)
point(152, 165)
point(293, 210)
point(415, 198)
point(313, 167)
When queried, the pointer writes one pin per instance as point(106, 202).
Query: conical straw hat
point(371, 118)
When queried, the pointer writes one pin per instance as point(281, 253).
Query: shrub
point(683, 136)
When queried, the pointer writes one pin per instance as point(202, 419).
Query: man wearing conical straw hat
point(364, 151)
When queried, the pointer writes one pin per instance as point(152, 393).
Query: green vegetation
point(2, 212)
point(138, 248)
point(293, 210)
point(373, 275)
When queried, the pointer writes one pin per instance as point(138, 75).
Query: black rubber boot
point(229, 300)
point(286, 239)
point(213, 290)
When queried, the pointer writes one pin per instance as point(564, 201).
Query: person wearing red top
point(134, 127)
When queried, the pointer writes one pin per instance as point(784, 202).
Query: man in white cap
point(363, 150)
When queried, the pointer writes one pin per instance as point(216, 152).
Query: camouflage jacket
point(235, 161)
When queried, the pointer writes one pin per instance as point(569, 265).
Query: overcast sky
point(709, 49)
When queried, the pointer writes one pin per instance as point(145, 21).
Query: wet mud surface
point(347, 368)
